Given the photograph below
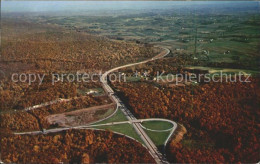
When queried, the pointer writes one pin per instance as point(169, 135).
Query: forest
point(36, 119)
point(16, 97)
point(220, 118)
point(27, 46)
point(19, 95)
point(73, 146)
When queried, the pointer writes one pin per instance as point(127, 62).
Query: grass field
point(133, 79)
point(119, 116)
point(217, 32)
point(224, 70)
point(158, 138)
point(157, 125)
point(126, 129)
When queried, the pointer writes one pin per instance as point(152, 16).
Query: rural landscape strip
point(153, 150)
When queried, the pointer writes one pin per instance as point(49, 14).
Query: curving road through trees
point(136, 123)
point(156, 154)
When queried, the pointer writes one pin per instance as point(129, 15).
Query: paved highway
point(156, 154)
point(158, 157)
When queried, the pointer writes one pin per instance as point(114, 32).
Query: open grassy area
point(119, 116)
point(158, 138)
point(227, 38)
point(133, 79)
point(126, 129)
point(157, 125)
point(213, 70)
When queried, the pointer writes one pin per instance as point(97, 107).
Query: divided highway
point(153, 150)
point(157, 155)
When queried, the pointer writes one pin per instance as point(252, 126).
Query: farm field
point(129, 82)
point(221, 38)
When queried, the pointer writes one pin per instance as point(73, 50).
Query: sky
point(50, 6)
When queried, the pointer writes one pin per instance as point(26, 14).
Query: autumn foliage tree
point(220, 118)
point(73, 146)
